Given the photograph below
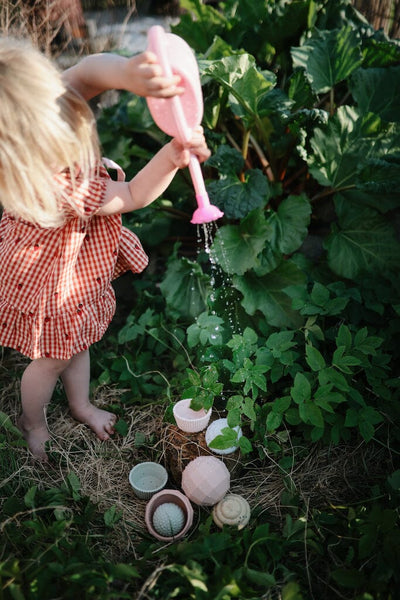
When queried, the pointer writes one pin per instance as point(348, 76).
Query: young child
point(61, 238)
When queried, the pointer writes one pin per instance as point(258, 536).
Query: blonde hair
point(45, 128)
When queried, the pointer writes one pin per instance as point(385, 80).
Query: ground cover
point(284, 318)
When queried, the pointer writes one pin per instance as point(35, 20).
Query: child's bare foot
point(100, 421)
point(36, 438)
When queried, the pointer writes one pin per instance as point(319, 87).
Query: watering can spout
point(206, 212)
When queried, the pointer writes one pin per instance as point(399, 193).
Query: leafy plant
point(287, 323)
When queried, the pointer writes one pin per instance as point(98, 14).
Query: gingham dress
point(56, 297)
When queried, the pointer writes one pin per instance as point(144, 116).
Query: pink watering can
point(177, 116)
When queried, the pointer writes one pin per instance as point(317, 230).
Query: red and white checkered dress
point(56, 297)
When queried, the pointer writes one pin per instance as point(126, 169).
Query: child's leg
point(37, 386)
point(76, 379)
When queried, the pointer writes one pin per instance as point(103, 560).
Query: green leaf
point(314, 358)
point(245, 445)
point(329, 57)
point(112, 516)
point(246, 85)
point(394, 480)
point(378, 91)
point(365, 343)
point(290, 224)
point(234, 417)
point(348, 578)
point(343, 361)
point(227, 160)
point(236, 247)
point(248, 409)
point(281, 404)
point(367, 430)
point(259, 578)
point(320, 294)
point(336, 149)
point(29, 498)
point(379, 51)
point(353, 150)
point(300, 91)
point(185, 287)
point(74, 485)
point(363, 241)
point(291, 591)
point(210, 376)
point(238, 198)
point(227, 439)
point(344, 337)
point(122, 427)
point(208, 329)
point(279, 342)
point(301, 390)
point(208, 21)
point(274, 419)
point(323, 402)
point(252, 376)
point(7, 424)
point(331, 375)
point(311, 413)
point(267, 295)
point(124, 571)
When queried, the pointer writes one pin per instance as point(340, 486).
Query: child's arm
point(140, 74)
point(154, 178)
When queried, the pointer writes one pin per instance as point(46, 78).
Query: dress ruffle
point(61, 336)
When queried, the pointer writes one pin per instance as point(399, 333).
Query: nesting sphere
point(205, 480)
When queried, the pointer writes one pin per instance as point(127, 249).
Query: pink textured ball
point(205, 480)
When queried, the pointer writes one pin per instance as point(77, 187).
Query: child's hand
point(180, 154)
point(143, 76)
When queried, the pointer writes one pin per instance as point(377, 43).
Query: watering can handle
point(158, 40)
point(205, 212)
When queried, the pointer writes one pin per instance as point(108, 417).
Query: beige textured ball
point(205, 480)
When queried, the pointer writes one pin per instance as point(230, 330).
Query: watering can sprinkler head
point(206, 212)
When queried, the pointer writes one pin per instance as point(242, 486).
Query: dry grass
point(325, 477)
point(42, 21)
point(102, 467)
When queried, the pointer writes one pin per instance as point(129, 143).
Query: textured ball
point(168, 519)
point(232, 510)
point(205, 480)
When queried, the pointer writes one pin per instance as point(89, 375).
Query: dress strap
point(110, 164)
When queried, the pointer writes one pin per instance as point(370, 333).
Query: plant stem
point(263, 159)
point(245, 143)
point(331, 191)
point(332, 102)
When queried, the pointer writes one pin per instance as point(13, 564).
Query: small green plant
point(49, 545)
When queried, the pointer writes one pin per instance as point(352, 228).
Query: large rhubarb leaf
point(361, 241)
point(185, 287)
point(266, 294)
point(378, 91)
point(329, 57)
point(290, 224)
point(236, 247)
